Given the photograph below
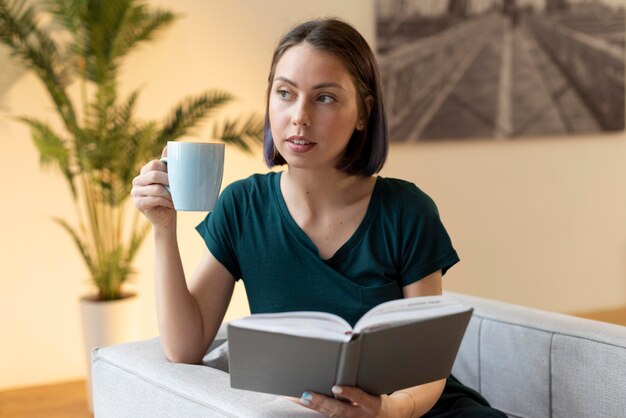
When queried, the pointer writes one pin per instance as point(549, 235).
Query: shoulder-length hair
point(367, 149)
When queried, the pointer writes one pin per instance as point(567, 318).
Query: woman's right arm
point(188, 316)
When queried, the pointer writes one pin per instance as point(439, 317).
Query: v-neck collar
point(304, 239)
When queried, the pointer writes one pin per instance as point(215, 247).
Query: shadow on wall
point(11, 72)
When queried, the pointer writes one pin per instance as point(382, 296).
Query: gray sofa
point(526, 362)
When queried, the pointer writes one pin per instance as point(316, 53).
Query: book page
point(399, 311)
point(304, 324)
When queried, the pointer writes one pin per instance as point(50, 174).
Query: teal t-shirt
point(400, 240)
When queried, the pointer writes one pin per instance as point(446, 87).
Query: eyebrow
point(315, 87)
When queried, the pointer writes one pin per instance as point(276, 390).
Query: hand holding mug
point(195, 173)
point(187, 178)
point(151, 195)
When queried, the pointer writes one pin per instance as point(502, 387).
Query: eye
point(283, 94)
point(326, 99)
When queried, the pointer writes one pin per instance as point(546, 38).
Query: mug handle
point(164, 159)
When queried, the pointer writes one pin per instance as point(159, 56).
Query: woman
point(326, 234)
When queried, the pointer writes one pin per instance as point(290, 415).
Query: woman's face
point(313, 108)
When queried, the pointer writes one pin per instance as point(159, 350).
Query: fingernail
point(306, 398)
point(337, 389)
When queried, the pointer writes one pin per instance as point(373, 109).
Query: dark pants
point(459, 401)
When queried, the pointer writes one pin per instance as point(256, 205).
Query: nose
point(301, 116)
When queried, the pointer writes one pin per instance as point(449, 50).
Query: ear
point(362, 122)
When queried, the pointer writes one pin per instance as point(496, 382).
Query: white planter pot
point(108, 323)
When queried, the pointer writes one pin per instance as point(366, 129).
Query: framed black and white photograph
point(502, 69)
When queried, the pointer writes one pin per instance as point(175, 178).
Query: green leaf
point(138, 144)
point(17, 22)
point(82, 248)
point(52, 148)
point(37, 50)
point(68, 13)
point(241, 132)
point(189, 112)
point(113, 29)
point(141, 25)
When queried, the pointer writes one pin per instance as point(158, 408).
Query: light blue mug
point(195, 172)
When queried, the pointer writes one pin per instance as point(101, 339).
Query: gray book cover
point(378, 360)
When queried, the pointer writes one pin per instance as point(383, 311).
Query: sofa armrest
point(533, 363)
point(136, 380)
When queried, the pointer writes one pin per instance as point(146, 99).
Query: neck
point(323, 188)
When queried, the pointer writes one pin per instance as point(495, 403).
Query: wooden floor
point(614, 316)
point(69, 400)
point(65, 400)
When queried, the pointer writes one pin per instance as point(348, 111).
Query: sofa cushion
point(515, 368)
point(593, 373)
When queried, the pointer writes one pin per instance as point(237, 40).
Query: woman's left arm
point(417, 400)
point(410, 403)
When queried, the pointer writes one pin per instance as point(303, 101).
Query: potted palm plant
point(102, 144)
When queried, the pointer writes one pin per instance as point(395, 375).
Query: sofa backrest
point(531, 363)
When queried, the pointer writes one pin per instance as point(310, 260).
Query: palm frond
point(138, 143)
point(115, 130)
point(111, 273)
point(141, 25)
point(102, 20)
point(112, 29)
point(143, 145)
point(82, 248)
point(68, 13)
point(123, 114)
point(17, 21)
point(103, 108)
point(106, 129)
point(241, 132)
point(52, 148)
point(136, 139)
point(37, 50)
point(189, 112)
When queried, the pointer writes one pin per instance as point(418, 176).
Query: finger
point(292, 399)
point(151, 177)
point(358, 396)
point(149, 202)
point(154, 165)
point(152, 190)
point(326, 405)
point(164, 152)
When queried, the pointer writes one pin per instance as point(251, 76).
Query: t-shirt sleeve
point(426, 245)
point(220, 230)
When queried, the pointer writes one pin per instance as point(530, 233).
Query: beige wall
point(539, 222)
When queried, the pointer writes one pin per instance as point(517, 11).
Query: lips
point(299, 140)
point(299, 144)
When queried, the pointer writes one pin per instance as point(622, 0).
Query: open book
point(397, 344)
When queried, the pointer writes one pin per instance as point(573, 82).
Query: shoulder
point(403, 194)
point(256, 184)
point(242, 197)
